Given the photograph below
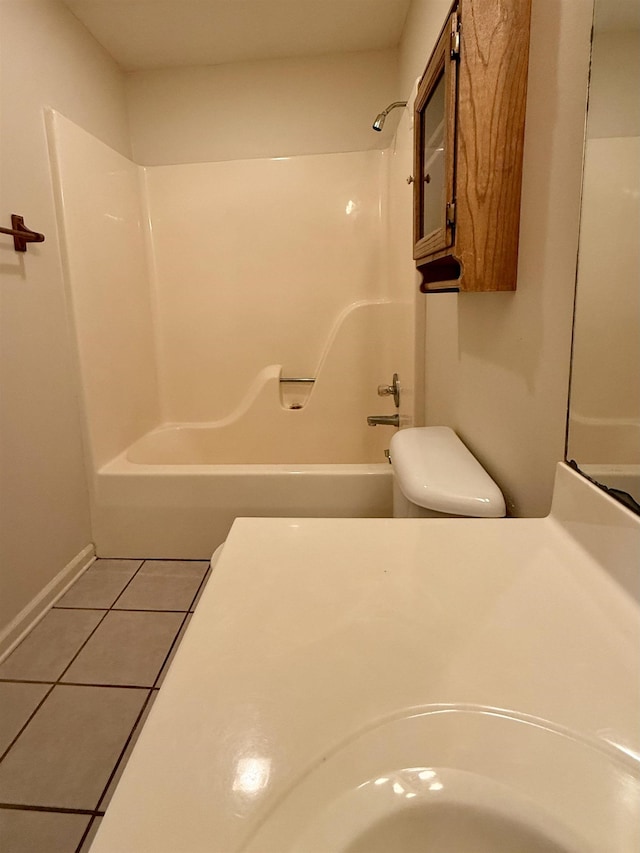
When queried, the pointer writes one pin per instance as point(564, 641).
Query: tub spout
point(384, 420)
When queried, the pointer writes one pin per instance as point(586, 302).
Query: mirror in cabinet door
point(604, 406)
point(434, 148)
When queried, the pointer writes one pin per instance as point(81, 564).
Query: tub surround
point(356, 621)
point(181, 344)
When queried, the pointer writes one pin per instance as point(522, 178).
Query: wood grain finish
point(489, 137)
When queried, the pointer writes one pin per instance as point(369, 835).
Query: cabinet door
point(434, 155)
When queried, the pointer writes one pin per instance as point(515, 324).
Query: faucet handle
point(391, 390)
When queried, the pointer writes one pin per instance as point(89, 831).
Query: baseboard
point(38, 607)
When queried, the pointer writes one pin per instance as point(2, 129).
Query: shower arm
point(393, 106)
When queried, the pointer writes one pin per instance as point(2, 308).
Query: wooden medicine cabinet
point(468, 143)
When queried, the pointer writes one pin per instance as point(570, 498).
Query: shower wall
point(187, 282)
point(254, 261)
point(104, 256)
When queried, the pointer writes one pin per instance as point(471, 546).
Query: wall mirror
point(604, 411)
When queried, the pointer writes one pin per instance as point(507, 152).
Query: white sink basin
point(452, 780)
point(421, 809)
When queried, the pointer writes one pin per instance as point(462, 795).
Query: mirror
point(604, 411)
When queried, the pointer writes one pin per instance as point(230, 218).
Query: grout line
point(172, 560)
point(113, 603)
point(85, 834)
point(108, 686)
point(159, 559)
point(17, 807)
point(82, 647)
point(31, 716)
point(125, 609)
point(145, 610)
point(75, 684)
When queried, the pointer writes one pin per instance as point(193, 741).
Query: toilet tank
point(436, 475)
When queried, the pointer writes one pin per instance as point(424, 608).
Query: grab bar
point(21, 234)
point(296, 379)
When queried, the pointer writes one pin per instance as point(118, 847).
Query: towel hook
point(21, 234)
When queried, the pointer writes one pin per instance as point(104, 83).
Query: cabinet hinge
point(451, 213)
point(455, 37)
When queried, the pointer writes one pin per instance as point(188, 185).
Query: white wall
point(272, 108)
point(401, 276)
point(47, 58)
point(497, 364)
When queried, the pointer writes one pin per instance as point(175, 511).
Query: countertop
point(311, 629)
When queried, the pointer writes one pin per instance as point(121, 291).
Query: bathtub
point(164, 497)
point(625, 478)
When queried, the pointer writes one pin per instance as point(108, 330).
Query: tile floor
point(75, 693)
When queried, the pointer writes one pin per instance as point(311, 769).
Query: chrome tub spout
point(384, 420)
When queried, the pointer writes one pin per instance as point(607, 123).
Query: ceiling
point(144, 34)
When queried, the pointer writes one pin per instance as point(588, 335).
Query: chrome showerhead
point(380, 118)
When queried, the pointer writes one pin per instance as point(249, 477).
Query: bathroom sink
point(485, 781)
point(428, 810)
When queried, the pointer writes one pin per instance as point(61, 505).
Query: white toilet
point(435, 476)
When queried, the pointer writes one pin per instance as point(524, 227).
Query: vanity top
point(312, 629)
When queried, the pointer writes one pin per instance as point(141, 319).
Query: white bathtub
point(625, 478)
point(163, 497)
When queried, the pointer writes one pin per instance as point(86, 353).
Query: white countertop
point(312, 629)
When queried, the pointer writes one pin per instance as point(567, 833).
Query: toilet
point(435, 476)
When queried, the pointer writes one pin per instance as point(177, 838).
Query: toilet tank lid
point(434, 469)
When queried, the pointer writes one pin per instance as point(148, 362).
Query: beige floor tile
point(106, 799)
point(101, 584)
point(127, 649)
point(48, 649)
point(163, 585)
point(40, 832)
point(169, 660)
point(17, 703)
point(65, 756)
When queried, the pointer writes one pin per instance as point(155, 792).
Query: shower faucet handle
point(391, 390)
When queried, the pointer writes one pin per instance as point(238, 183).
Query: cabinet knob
point(410, 179)
point(427, 179)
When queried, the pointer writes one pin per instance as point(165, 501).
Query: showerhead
point(380, 118)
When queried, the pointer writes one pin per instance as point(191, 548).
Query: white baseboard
point(38, 607)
